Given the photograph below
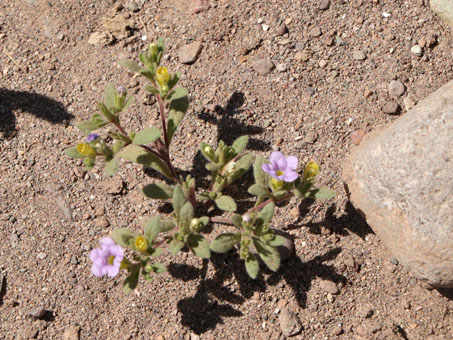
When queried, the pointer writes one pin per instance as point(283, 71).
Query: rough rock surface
point(401, 179)
point(444, 9)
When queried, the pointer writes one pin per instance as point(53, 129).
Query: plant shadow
point(215, 297)
point(38, 105)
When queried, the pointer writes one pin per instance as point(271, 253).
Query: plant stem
point(262, 205)
point(221, 220)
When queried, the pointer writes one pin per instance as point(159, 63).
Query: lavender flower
point(281, 168)
point(121, 90)
point(107, 259)
point(92, 137)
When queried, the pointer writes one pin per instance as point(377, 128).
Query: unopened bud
point(162, 76)
point(194, 223)
point(86, 150)
point(311, 170)
point(121, 90)
point(246, 217)
point(141, 243)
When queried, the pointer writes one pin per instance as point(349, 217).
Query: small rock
point(329, 287)
point(281, 67)
point(33, 333)
point(42, 256)
point(324, 4)
point(417, 50)
point(99, 212)
point(132, 6)
point(391, 108)
point(366, 311)
point(367, 93)
point(289, 323)
point(395, 89)
point(281, 30)
point(114, 187)
point(356, 138)
point(265, 27)
point(302, 56)
point(74, 260)
point(359, 55)
point(71, 333)
point(36, 313)
point(409, 102)
point(194, 336)
point(101, 222)
point(315, 32)
point(160, 337)
point(294, 212)
point(65, 208)
point(322, 63)
point(337, 330)
point(444, 9)
point(99, 38)
point(394, 261)
point(263, 66)
point(188, 54)
point(60, 36)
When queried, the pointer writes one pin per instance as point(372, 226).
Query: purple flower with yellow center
point(107, 259)
point(281, 168)
point(92, 137)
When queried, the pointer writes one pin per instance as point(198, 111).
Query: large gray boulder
point(444, 9)
point(401, 179)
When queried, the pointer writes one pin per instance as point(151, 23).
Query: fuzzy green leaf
point(124, 237)
point(212, 167)
point(147, 136)
point(225, 242)
point(178, 107)
point(111, 167)
point(156, 252)
point(130, 65)
point(225, 203)
point(199, 245)
point(152, 229)
point(240, 144)
point(110, 95)
point(87, 126)
point(151, 89)
point(258, 173)
point(258, 190)
point(158, 268)
point(278, 241)
point(72, 152)
point(186, 215)
point(267, 212)
point(207, 151)
point(166, 225)
point(242, 165)
point(268, 254)
point(237, 220)
point(128, 102)
point(252, 266)
point(321, 193)
point(137, 154)
point(175, 246)
point(179, 199)
point(159, 191)
point(131, 282)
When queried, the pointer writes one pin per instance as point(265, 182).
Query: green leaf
point(186, 216)
point(179, 199)
point(321, 193)
point(124, 237)
point(128, 102)
point(160, 191)
point(147, 136)
point(158, 268)
point(267, 212)
point(225, 242)
point(106, 112)
point(110, 95)
point(130, 65)
point(87, 126)
point(258, 190)
point(111, 167)
point(237, 220)
point(152, 229)
point(131, 282)
point(72, 152)
point(268, 254)
point(199, 245)
point(166, 225)
point(278, 241)
point(175, 246)
point(156, 252)
point(240, 144)
point(151, 89)
point(252, 266)
point(174, 80)
point(242, 165)
point(89, 163)
point(207, 151)
point(137, 154)
point(301, 188)
point(258, 173)
point(225, 203)
point(178, 107)
point(212, 167)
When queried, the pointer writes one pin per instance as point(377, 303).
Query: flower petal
point(290, 176)
point(275, 156)
point(112, 271)
point(107, 241)
point(95, 254)
point(117, 251)
point(266, 168)
point(281, 164)
point(97, 270)
point(292, 162)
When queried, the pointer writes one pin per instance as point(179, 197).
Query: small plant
point(276, 180)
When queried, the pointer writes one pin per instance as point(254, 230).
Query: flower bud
point(91, 137)
point(231, 167)
point(162, 76)
point(246, 217)
point(276, 184)
point(85, 149)
point(153, 51)
point(311, 170)
point(194, 224)
point(209, 152)
point(121, 90)
point(164, 90)
point(141, 243)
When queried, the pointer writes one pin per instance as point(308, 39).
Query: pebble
point(65, 208)
point(409, 102)
point(394, 261)
point(391, 108)
point(114, 187)
point(356, 138)
point(132, 6)
point(281, 67)
point(329, 287)
point(366, 311)
point(42, 256)
point(322, 63)
point(188, 54)
point(71, 333)
point(289, 322)
point(417, 50)
point(263, 66)
point(265, 27)
point(395, 89)
point(324, 4)
point(101, 222)
point(337, 330)
point(359, 55)
point(281, 30)
point(302, 56)
point(36, 313)
point(315, 32)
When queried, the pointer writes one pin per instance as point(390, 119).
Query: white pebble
point(417, 50)
point(265, 27)
point(386, 14)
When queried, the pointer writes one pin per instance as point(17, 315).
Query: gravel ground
point(308, 78)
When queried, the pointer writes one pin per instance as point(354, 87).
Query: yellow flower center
point(280, 173)
point(162, 76)
point(110, 259)
point(85, 149)
point(276, 184)
point(311, 170)
point(141, 243)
